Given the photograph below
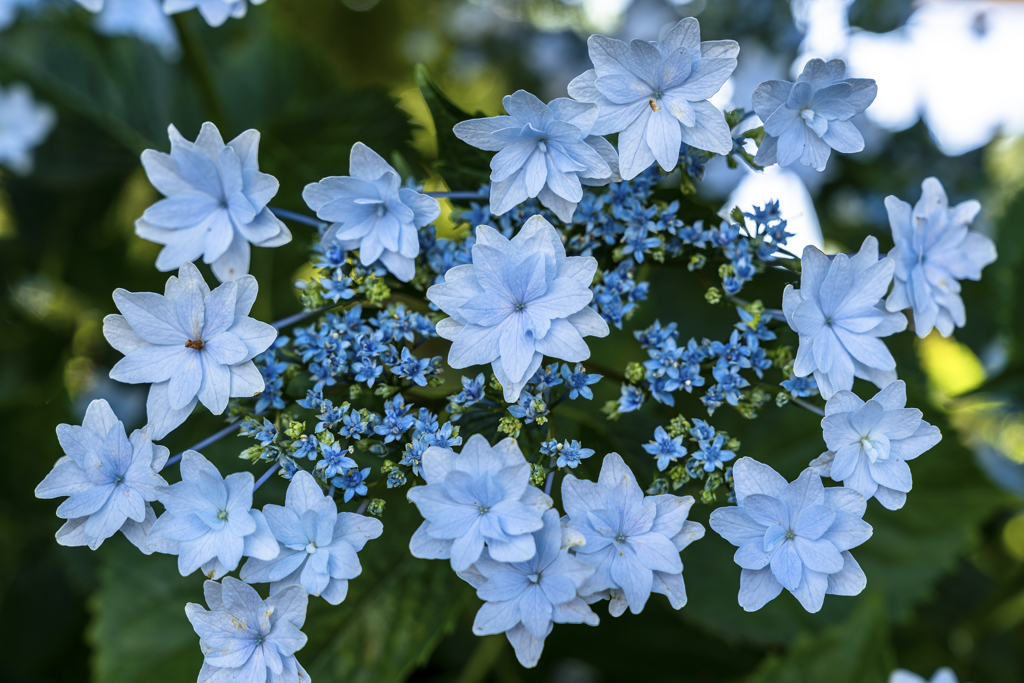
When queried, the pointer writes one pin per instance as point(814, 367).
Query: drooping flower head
point(371, 212)
point(318, 545)
point(655, 95)
point(481, 495)
point(110, 480)
point(870, 442)
point(24, 125)
point(806, 120)
point(525, 599)
point(216, 202)
point(245, 638)
point(518, 301)
point(214, 12)
point(544, 151)
point(934, 251)
point(192, 344)
point(838, 314)
point(633, 541)
point(795, 536)
point(209, 521)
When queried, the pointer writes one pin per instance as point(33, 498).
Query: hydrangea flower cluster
point(110, 480)
point(191, 344)
point(209, 522)
point(795, 536)
point(806, 120)
point(246, 638)
point(870, 442)
point(559, 255)
point(544, 151)
point(518, 301)
point(655, 95)
point(216, 202)
point(480, 496)
point(633, 541)
point(317, 544)
point(935, 249)
point(526, 599)
point(369, 211)
point(839, 315)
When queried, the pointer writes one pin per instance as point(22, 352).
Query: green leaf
point(856, 651)
point(139, 631)
point(463, 167)
point(394, 616)
point(387, 630)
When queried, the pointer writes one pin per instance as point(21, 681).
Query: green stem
point(197, 61)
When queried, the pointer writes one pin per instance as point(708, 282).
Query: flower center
point(830, 321)
point(790, 534)
point(196, 344)
point(311, 547)
point(534, 578)
point(870, 448)
point(483, 509)
point(807, 114)
point(381, 210)
point(222, 515)
point(520, 307)
point(118, 479)
point(620, 537)
point(542, 146)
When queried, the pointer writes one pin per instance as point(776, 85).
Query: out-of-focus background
point(946, 578)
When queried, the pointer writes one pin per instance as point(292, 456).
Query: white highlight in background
point(795, 204)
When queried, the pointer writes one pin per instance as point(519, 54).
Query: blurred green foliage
point(946, 573)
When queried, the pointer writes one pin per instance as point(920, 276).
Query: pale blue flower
point(934, 251)
point(838, 313)
point(655, 95)
point(24, 125)
point(794, 536)
point(870, 442)
point(143, 19)
point(91, 5)
point(633, 541)
point(806, 120)
point(110, 480)
point(544, 151)
point(214, 12)
point(370, 211)
point(481, 495)
point(191, 344)
point(9, 11)
point(216, 202)
point(943, 675)
point(517, 302)
point(246, 639)
point(318, 545)
point(209, 521)
point(524, 600)
point(665, 448)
